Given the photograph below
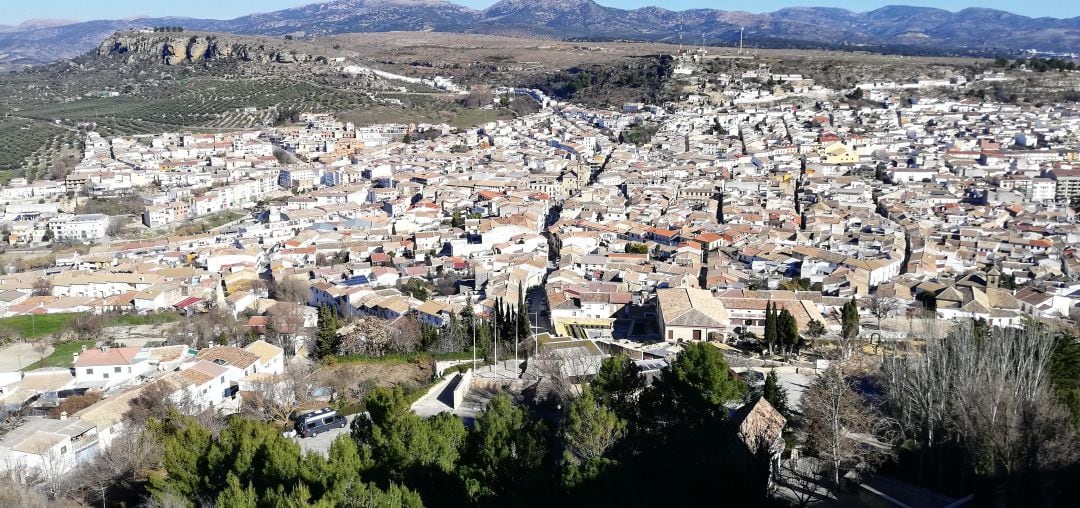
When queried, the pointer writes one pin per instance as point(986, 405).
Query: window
point(105, 375)
point(63, 450)
point(117, 370)
point(89, 372)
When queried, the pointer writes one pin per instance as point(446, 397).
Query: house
point(211, 383)
point(689, 314)
point(760, 429)
point(271, 358)
point(107, 366)
point(48, 446)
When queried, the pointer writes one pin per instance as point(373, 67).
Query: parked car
point(310, 424)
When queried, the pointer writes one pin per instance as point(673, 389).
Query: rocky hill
point(973, 31)
point(193, 48)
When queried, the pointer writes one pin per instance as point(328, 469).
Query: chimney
point(210, 344)
point(74, 357)
point(63, 415)
point(83, 347)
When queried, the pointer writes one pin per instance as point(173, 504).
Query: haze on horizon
point(81, 10)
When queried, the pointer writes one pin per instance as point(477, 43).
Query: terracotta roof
point(234, 356)
point(107, 356)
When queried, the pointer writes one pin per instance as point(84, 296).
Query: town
point(784, 225)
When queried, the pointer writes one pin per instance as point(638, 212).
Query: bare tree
point(286, 318)
point(378, 337)
point(803, 478)
point(42, 287)
point(561, 369)
point(52, 476)
point(275, 398)
point(291, 289)
point(840, 425)
point(882, 307)
point(990, 392)
point(42, 344)
point(16, 494)
point(156, 400)
point(127, 459)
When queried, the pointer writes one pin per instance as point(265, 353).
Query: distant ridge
point(896, 28)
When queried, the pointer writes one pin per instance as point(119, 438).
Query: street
point(321, 442)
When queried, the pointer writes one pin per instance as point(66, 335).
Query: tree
point(839, 425)
point(504, 454)
point(1065, 374)
point(636, 248)
point(524, 327)
point(849, 327)
point(42, 287)
point(416, 288)
point(122, 464)
point(775, 394)
point(71, 405)
point(771, 330)
point(814, 329)
point(400, 442)
point(1074, 203)
point(589, 428)
point(690, 394)
point(617, 385)
point(787, 331)
point(327, 341)
point(882, 307)
point(274, 398)
point(236, 495)
point(247, 456)
point(987, 397)
point(42, 344)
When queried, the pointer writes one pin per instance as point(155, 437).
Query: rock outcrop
point(174, 49)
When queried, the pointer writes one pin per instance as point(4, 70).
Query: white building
point(110, 366)
point(79, 227)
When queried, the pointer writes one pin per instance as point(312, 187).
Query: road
point(321, 442)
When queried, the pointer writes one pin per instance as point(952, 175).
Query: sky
point(15, 11)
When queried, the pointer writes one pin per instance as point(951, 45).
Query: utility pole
point(472, 324)
point(495, 367)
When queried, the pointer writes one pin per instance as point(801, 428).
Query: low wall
point(462, 388)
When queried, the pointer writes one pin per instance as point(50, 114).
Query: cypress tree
point(787, 330)
point(326, 339)
point(770, 326)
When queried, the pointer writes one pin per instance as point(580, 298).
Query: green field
point(30, 327)
point(62, 355)
point(144, 319)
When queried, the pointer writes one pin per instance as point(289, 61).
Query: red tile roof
point(107, 356)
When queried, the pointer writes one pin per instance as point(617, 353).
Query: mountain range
point(973, 31)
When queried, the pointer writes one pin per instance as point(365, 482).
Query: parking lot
point(321, 442)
